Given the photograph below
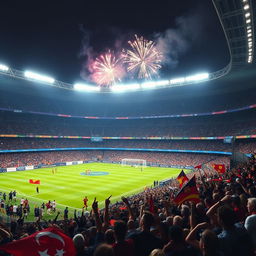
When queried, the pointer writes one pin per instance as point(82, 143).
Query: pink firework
point(107, 69)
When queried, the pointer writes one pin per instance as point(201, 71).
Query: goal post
point(134, 162)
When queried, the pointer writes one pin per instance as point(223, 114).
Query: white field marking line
point(48, 184)
point(18, 192)
point(12, 178)
point(28, 196)
point(64, 205)
point(126, 193)
point(49, 191)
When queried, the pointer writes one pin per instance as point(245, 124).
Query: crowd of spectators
point(45, 158)
point(150, 223)
point(219, 125)
point(244, 146)
point(48, 158)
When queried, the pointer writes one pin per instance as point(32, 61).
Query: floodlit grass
point(68, 187)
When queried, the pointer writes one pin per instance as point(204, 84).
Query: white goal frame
point(134, 162)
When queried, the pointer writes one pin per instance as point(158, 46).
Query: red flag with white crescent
point(48, 242)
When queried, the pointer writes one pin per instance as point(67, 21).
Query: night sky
point(52, 36)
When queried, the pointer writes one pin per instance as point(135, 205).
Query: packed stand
point(222, 222)
point(48, 158)
point(244, 146)
point(243, 123)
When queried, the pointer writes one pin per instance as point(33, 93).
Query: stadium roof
point(236, 17)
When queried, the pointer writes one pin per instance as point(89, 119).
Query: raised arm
point(75, 216)
point(95, 210)
point(106, 213)
point(191, 237)
point(192, 217)
point(131, 213)
point(4, 233)
point(55, 219)
point(214, 208)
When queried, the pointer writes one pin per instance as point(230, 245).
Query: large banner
point(31, 167)
point(20, 168)
point(11, 169)
point(252, 136)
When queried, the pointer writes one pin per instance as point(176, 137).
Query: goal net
point(134, 162)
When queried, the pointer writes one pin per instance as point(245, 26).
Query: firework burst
point(143, 59)
point(107, 69)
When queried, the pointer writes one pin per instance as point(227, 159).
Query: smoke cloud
point(175, 42)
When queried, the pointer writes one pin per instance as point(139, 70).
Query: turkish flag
point(48, 242)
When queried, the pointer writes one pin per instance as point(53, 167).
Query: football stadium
point(128, 129)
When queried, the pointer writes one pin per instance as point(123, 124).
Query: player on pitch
point(85, 202)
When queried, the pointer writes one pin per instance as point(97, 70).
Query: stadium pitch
point(70, 184)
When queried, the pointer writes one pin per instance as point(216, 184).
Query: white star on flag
point(59, 252)
point(44, 253)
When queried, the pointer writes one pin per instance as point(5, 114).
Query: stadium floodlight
point(39, 77)
point(245, 1)
point(249, 39)
point(248, 21)
point(86, 87)
point(249, 34)
point(124, 87)
point(162, 82)
point(247, 15)
point(197, 77)
point(179, 80)
point(148, 85)
point(246, 7)
point(249, 31)
point(4, 67)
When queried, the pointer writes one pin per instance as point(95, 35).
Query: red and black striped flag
point(188, 193)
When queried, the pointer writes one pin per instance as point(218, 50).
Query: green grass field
point(68, 187)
